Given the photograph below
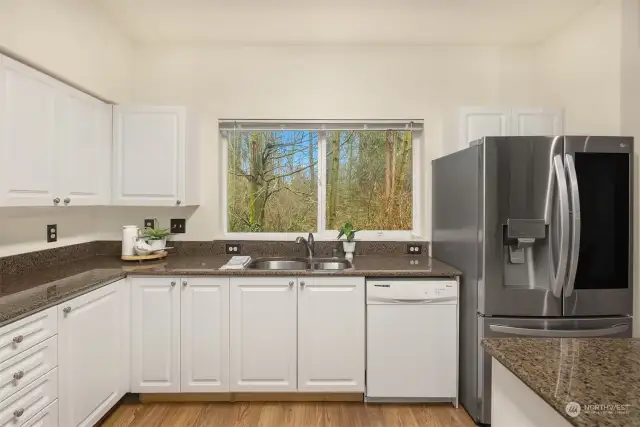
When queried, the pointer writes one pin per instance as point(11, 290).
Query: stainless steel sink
point(317, 264)
point(279, 264)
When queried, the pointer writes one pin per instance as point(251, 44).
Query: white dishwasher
point(412, 340)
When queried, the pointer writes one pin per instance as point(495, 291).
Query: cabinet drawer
point(27, 366)
point(48, 417)
point(25, 333)
point(22, 406)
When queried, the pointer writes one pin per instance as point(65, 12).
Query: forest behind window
point(273, 180)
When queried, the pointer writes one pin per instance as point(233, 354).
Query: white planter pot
point(349, 249)
point(157, 245)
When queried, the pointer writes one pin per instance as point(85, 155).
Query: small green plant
point(348, 231)
point(155, 233)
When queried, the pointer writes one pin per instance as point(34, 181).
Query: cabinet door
point(263, 333)
point(477, 122)
point(536, 122)
point(149, 155)
point(85, 166)
point(155, 335)
point(90, 342)
point(205, 334)
point(331, 334)
point(28, 136)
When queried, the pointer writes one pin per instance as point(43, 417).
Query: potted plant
point(156, 237)
point(349, 232)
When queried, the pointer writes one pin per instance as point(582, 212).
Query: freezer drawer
point(497, 327)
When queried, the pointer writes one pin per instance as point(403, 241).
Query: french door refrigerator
point(541, 228)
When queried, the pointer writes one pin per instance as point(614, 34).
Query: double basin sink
point(314, 264)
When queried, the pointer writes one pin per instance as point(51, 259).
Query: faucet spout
point(309, 244)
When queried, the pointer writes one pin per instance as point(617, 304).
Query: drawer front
point(25, 333)
point(25, 404)
point(27, 366)
point(48, 417)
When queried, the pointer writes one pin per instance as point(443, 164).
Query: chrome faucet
point(309, 243)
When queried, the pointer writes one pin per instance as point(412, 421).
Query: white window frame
point(321, 233)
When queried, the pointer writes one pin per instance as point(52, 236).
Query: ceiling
point(344, 21)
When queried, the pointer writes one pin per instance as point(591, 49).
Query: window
point(295, 177)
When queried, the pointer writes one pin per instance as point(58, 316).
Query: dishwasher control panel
point(389, 291)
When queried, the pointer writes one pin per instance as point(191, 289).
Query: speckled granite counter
point(24, 294)
point(586, 371)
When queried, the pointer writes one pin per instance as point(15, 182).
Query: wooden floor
point(284, 414)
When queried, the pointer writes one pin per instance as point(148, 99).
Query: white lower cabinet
point(20, 408)
point(48, 417)
point(91, 358)
point(204, 314)
point(331, 334)
point(155, 335)
point(263, 333)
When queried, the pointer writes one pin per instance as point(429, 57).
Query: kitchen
point(177, 104)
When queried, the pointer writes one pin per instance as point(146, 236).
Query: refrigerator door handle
point(558, 280)
point(559, 333)
point(575, 223)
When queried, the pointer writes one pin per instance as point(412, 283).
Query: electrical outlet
point(149, 223)
point(52, 233)
point(232, 248)
point(178, 225)
point(414, 248)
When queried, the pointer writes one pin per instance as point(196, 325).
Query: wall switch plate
point(232, 248)
point(414, 248)
point(149, 223)
point(52, 233)
point(178, 225)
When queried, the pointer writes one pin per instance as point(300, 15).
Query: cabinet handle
point(184, 283)
point(66, 310)
point(18, 412)
point(302, 283)
point(56, 200)
point(178, 202)
point(18, 375)
point(173, 283)
point(291, 283)
point(67, 201)
point(18, 339)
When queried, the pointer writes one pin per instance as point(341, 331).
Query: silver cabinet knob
point(56, 200)
point(178, 202)
point(67, 201)
point(173, 283)
point(184, 283)
point(18, 375)
point(290, 283)
point(66, 310)
point(18, 412)
point(18, 339)
point(302, 283)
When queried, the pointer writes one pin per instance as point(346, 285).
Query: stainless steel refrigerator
point(541, 228)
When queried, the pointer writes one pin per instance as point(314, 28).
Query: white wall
point(286, 82)
point(579, 69)
point(72, 39)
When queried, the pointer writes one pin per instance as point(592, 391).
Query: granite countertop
point(588, 371)
point(27, 293)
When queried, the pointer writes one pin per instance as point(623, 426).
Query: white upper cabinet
point(91, 340)
point(29, 132)
point(204, 339)
point(86, 154)
point(263, 334)
point(155, 335)
point(55, 141)
point(155, 157)
point(476, 122)
point(331, 334)
point(536, 121)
